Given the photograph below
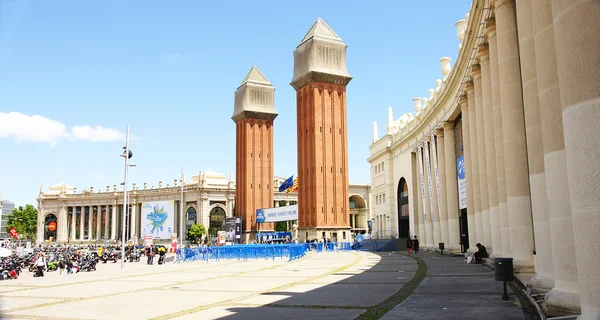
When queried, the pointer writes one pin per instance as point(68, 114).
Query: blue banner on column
point(462, 182)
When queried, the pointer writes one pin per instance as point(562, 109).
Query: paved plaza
point(328, 285)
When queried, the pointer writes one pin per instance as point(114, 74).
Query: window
point(383, 166)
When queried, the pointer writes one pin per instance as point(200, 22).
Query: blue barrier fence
point(242, 252)
point(272, 251)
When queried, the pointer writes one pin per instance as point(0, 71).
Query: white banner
point(429, 179)
point(462, 181)
point(158, 219)
point(422, 183)
point(437, 176)
point(285, 213)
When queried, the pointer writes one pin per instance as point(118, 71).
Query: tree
point(196, 232)
point(24, 220)
point(281, 226)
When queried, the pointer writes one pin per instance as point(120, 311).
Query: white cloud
point(22, 127)
point(34, 128)
point(96, 134)
point(100, 177)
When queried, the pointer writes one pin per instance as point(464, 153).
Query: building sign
point(286, 213)
point(158, 219)
point(462, 182)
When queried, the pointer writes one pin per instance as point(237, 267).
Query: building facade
point(6, 208)
point(505, 151)
point(208, 199)
point(320, 79)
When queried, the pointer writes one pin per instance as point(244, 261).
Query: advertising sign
point(158, 219)
point(229, 228)
point(286, 213)
point(238, 229)
point(462, 182)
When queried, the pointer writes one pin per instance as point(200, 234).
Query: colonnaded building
point(505, 151)
point(68, 214)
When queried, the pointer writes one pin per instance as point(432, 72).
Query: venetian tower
point(254, 112)
point(320, 79)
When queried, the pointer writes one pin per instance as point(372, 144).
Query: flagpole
point(181, 210)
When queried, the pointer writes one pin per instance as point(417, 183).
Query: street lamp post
point(127, 155)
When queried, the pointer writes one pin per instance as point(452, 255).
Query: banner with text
point(158, 219)
point(285, 213)
point(462, 182)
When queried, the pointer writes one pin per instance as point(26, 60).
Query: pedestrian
point(69, 266)
point(61, 266)
point(41, 265)
point(415, 244)
point(409, 245)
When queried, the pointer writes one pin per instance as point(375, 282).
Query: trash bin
point(504, 269)
point(441, 246)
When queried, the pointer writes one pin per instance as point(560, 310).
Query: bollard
point(503, 268)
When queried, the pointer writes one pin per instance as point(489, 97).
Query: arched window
point(217, 215)
point(50, 226)
point(191, 219)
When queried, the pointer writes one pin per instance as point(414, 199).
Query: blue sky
point(169, 69)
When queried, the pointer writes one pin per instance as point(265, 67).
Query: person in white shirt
point(41, 265)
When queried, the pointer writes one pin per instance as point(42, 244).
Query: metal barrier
point(241, 252)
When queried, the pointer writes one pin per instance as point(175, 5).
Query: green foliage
point(281, 226)
point(24, 220)
point(196, 232)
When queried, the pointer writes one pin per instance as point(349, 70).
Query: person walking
point(41, 265)
point(409, 245)
point(415, 244)
point(61, 266)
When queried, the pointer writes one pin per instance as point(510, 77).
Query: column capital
point(469, 87)
point(449, 125)
point(439, 132)
point(483, 52)
point(476, 71)
point(490, 28)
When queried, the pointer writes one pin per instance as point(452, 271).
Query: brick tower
point(320, 79)
point(254, 112)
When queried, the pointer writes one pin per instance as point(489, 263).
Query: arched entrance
point(50, 226)
point(217, 215)
point(358, 214)
point(191, 219)
point(403, 213)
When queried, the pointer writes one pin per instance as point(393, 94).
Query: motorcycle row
point(81, 259)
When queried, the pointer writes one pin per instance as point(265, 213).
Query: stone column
point(577, 45)
point(106, 222)
point(276, 203)
point(133, 228)
point(537, 180)
point(490, 148)
point(565, 294)
point(435, 211)
point(98, 222)
point(419, 226)
point(451, 187)
point(62, 229)
point(483, 224)
point(73, 235)
point(113, 222)
point(504, 247)
point(443, 210)
point(474, 145)
point(465, 107)
point(81, 223)
point(515, 149)
point(90, 226)
point(428, 210)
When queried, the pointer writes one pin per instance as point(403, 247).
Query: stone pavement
point(342, 285)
